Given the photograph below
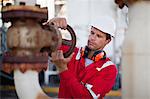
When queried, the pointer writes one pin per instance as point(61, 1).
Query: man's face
point(97, 39)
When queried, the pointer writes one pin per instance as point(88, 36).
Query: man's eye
point(99, 36)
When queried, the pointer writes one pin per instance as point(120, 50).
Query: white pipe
point(136, 53)
point(27, 85)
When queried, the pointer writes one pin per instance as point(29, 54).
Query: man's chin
point(90, 47)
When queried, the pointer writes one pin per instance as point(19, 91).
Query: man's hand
point(59, 60)
point(59, 22)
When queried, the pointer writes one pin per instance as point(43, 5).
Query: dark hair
point(108, 36)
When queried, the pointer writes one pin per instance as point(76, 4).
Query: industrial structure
point(129, 50)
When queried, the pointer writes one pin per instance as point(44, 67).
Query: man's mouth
point(91, 43)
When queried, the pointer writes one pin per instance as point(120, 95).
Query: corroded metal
point(21, 11)
point(27, 36)
point(23, 67)
point(28, 39)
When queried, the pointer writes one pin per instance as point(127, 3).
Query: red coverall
point(74, 80)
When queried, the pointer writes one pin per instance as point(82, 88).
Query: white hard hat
point(105, 24)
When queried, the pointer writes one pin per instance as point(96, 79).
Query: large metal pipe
point(25, 38)
point(136, 53)
point(30, 42)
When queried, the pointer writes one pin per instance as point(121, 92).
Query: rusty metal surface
point(7, 16)
point(10, 12)
point(38, 62)
point(27, 36)
point(25, 59)
point(25, 39)
point(23, 67)
point(25, 8)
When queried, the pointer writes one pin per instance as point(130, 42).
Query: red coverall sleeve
point(102, 83)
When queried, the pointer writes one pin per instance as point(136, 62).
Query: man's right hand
point(59, 22)
point(59, 60)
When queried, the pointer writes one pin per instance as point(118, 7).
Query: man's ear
point(108, 40)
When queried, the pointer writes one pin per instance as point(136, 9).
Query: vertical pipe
point(27, 85)
point(136, 53)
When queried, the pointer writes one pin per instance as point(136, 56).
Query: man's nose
point(93, 37)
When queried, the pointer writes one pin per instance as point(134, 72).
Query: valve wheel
point(71, 43)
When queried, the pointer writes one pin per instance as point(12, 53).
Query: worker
point(87, 73)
